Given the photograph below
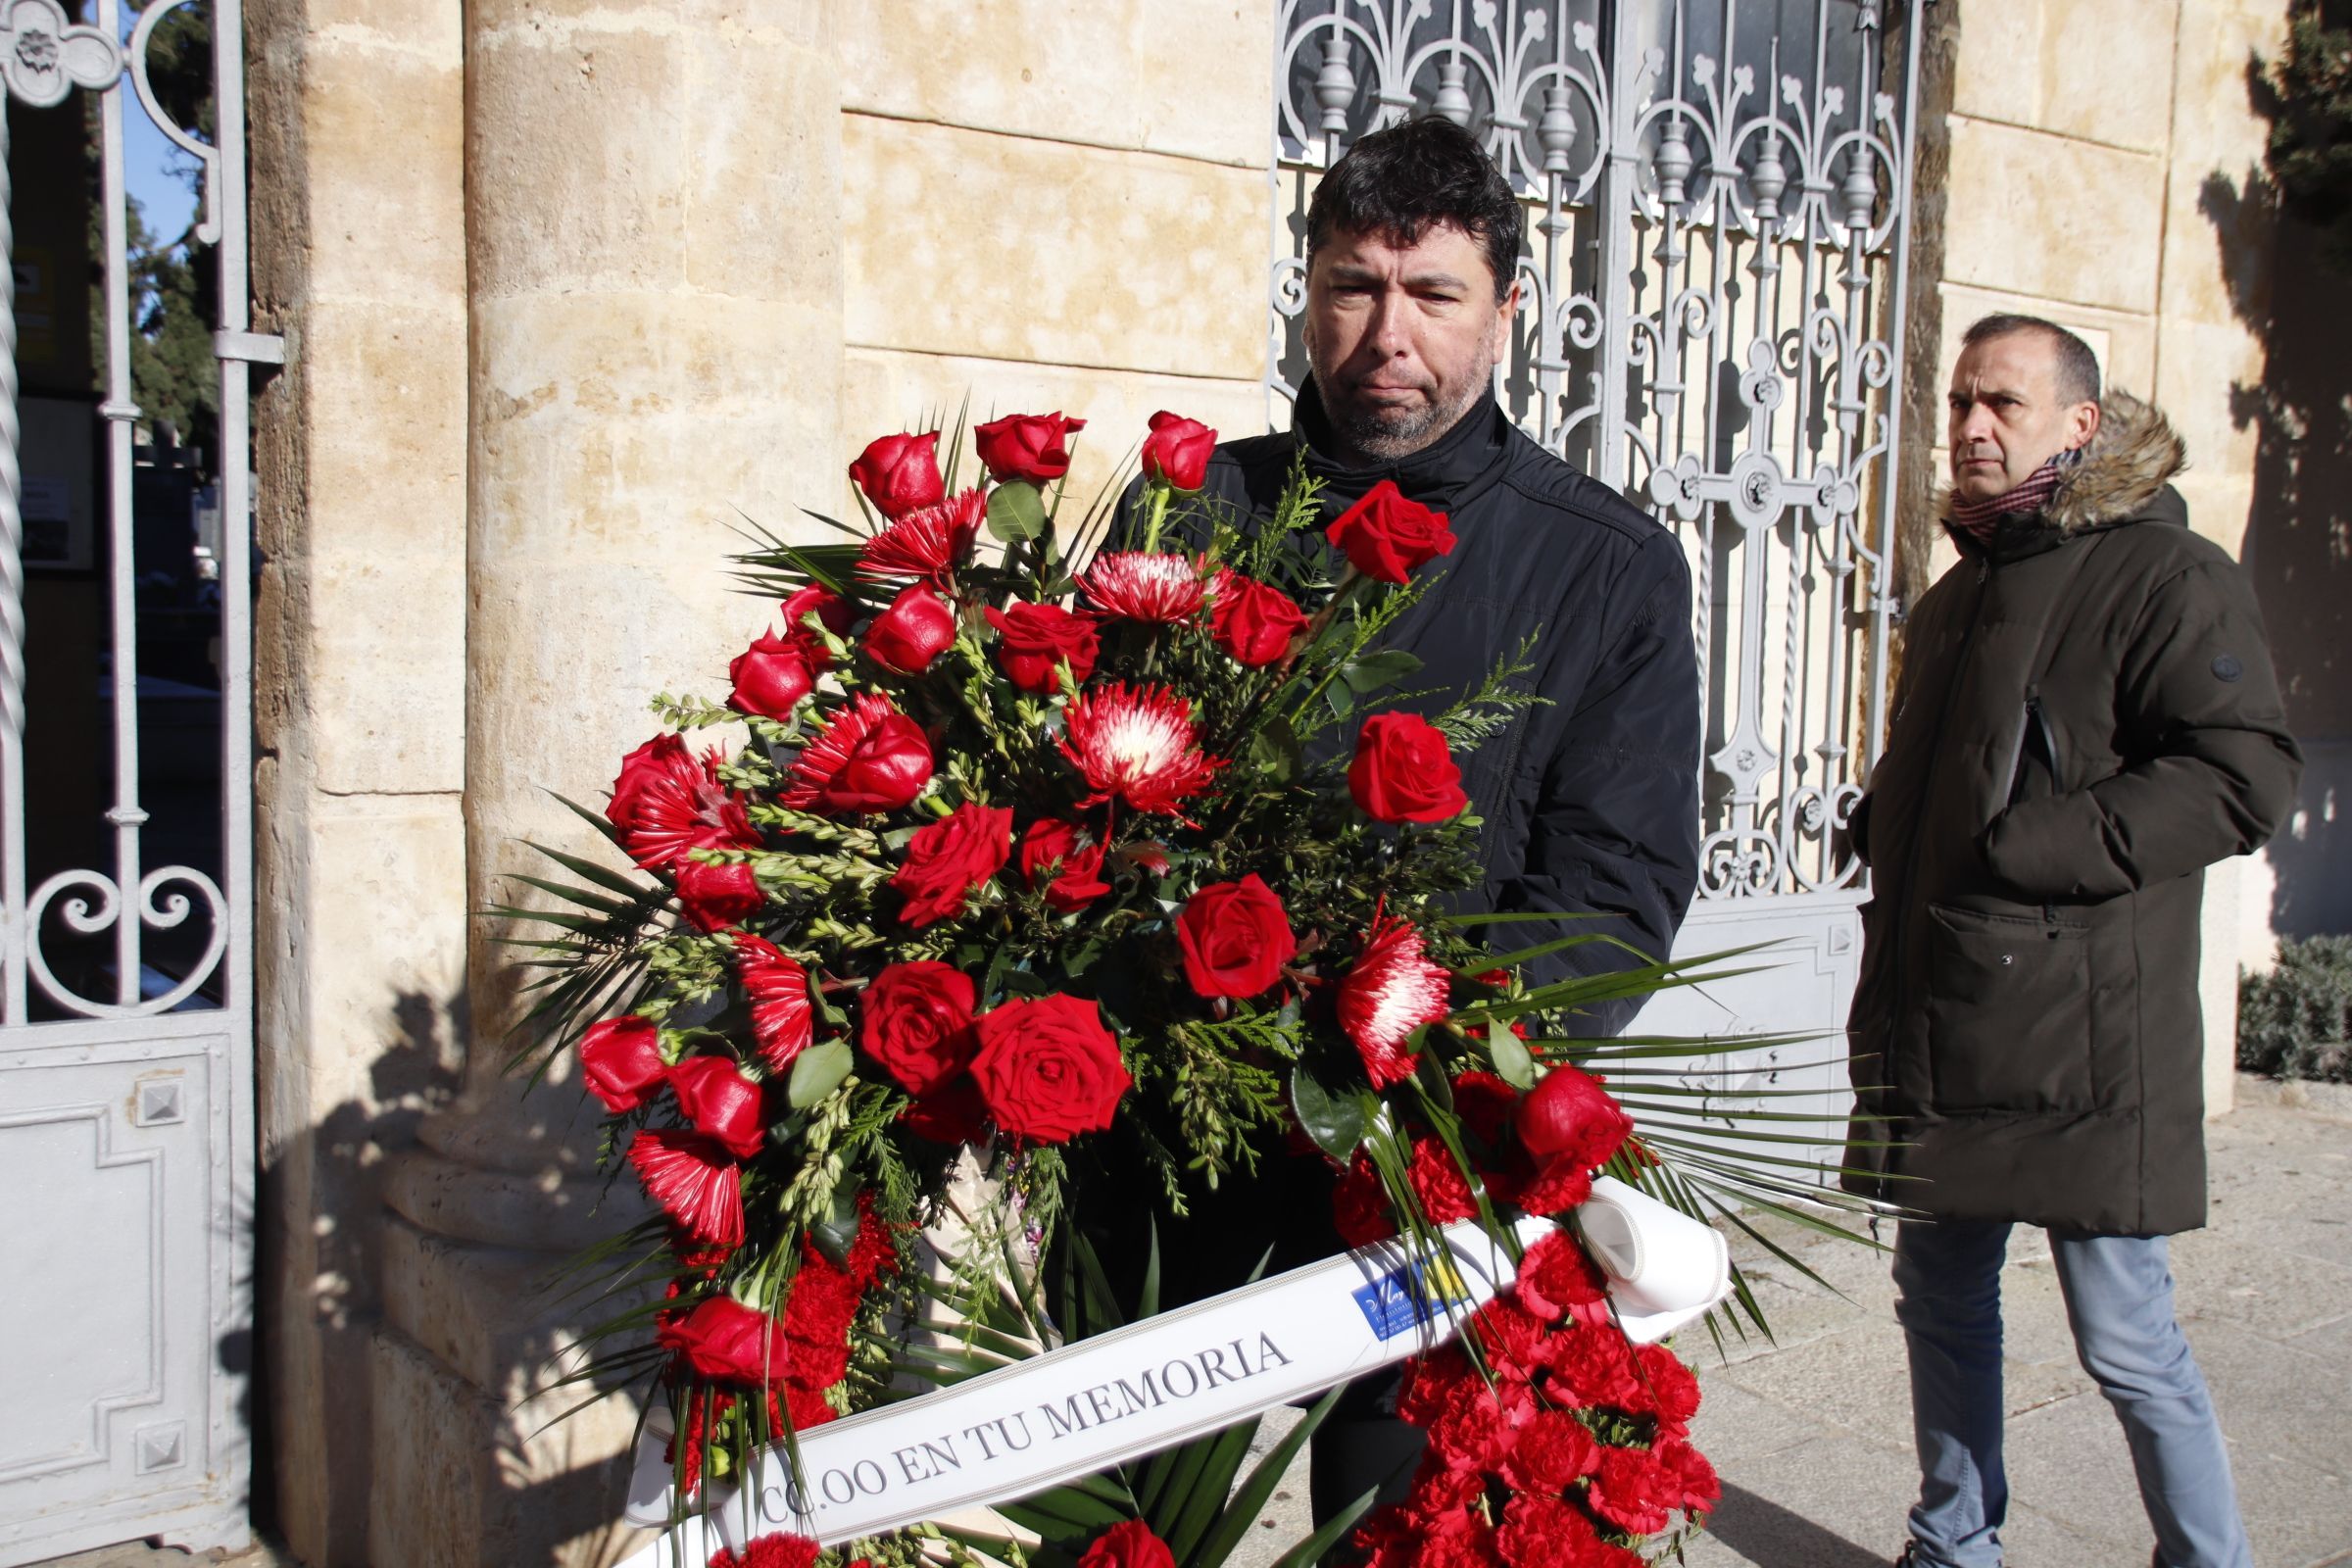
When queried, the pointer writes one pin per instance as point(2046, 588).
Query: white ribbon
point(1021, 1429)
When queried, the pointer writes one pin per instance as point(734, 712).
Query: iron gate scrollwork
point(1710, 287)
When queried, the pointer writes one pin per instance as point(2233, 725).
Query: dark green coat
point(2085, 719)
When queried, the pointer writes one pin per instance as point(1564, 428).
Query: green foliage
point(2296, 1021)
point(2310, 152)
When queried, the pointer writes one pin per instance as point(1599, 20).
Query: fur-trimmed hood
point(2127, 465)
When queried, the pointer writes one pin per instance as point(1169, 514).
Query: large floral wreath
point(1041, 860)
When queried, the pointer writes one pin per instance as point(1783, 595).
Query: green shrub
point(2294, 1022)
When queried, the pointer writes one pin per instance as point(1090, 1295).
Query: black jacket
point(2085, 719)
point(1592, 802)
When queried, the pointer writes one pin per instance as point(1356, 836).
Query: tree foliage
point(2310, 153)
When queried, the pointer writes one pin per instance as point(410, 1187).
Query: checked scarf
point(1978, 518)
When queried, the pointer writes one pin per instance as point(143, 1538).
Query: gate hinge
point(254, 348)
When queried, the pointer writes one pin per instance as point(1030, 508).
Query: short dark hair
point(1401, 182)
point(2078, 367)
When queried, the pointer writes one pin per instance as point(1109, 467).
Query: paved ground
point(1812, 1434)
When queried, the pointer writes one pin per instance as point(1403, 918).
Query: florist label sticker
point(1406, 1297)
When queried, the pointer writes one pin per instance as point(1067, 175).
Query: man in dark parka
point(2084, 719)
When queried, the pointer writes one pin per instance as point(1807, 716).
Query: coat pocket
point(2008, 1009)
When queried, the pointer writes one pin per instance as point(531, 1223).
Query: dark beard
point(1385, 437)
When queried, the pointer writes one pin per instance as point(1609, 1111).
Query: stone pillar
point(358, 223)
point(652, 210)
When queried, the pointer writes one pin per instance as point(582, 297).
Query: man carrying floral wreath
point(1589, 794)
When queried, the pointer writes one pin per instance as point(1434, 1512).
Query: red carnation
point(1235, 938)
point(1145, 585)
point(1689, 1481)
point(871, 757)
point(721, 1103)
point(1439, 1184)
point(1595, 1364)
point(915, 629)
point(1556, 1275)
point(1671, 1389)
point(695, 1181)
point(1048, 1068)
point(726, 1341)
point(1542, 1532)
point(1052, 846)
point(777, 1551)
point(1387, 992)
point(666, 802)
point(1033, 640)
point(915, 1019)
point(1386, 536)
point(1253, 623)
point(622, 1059)
point(929, 543)
point(781, 1023)
point(1554, 1450)
point(1027, 446)
point(714, 897)
point(1631, 1491)
point(1136, 746)
point(1404, 771)
point(951, 857)
point(901, 472)
point(1129, 1543)
point(1176, 452)
point(1359, 1204)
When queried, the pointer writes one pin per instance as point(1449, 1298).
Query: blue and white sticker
point(1406, 1297)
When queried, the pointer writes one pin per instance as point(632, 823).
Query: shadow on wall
point(374, 1436)
point(2299, 546)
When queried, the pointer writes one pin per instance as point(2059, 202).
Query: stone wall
point(2086, 141)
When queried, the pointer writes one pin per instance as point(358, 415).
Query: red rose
point(1051, 844)
point(1048, 1068)
point(667, 801)
point(1027, 446)
point(1236, 938)
point(771, 676)
point(1404, 772)
point(1568, 1119)
point(1032, 639)
point(832, 611)
point(1129, 1543)
point(1386, 536)
point(1631, 1491)
point(1177, 449)
point(948, 859)
point(901, 472)
point(1253, 622)
point(721, 1103)
point(726, 1341)
point(953, 1113)
point(915, 629)
point(622, 1059)
point(871, 757)
point(917, 1021)
point(715, 897)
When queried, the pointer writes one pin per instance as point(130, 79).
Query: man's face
point(2008, 415)
point(1402, 340)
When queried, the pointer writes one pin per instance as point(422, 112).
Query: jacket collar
point(1445, 475)
point(2124, 476)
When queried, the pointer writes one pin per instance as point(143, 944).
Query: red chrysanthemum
point(778, 1550)
point(667, 801)
point(694, 1179)
point(1388, 992)
point(782, 1024)
point(929, 542)
point(1145, 585)
point(871, 757)
point(1136, 746)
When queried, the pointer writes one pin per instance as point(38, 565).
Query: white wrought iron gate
point(125, 1009)
point(1711, 312)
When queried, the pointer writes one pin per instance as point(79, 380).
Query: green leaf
point(1274, 750)
point(838, 1232)
point(1511, 1060)
point(1336, 1122)
point(1016, 513)
point(816, 1072)
point(1375, 670)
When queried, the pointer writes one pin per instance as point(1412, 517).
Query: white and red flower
point(667, 801)
point(694, 1179)
point(1391, 990)
point(1145, 585)
point(1138, 746)
point(929, 542)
